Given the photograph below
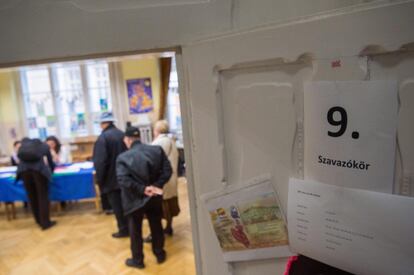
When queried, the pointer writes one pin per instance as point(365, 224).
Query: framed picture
point(140, 98)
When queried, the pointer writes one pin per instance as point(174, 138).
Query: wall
point(244, 104)
point(44, 29)
point(141, 68)
point(9, 112)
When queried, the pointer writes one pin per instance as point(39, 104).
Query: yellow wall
point(141, 68)
point(9, 111)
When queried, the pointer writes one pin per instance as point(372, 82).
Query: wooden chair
point(57, 205)
point(10, 210)
point(98, 194)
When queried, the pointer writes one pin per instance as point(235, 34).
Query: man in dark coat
point(35, 168)
point(142, 172)
point(107, 148)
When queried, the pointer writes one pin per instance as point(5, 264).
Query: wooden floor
point(81, 243)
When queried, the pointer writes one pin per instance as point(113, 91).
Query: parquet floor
point(81, 243)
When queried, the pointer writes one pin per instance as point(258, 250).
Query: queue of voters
point(139, 181)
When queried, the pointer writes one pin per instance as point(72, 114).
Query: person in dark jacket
point(107, 148)
point(142, 172)
point(35, 168)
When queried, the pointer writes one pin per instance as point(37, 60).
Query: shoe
point(161, 258)
point(148, 239)
point(135, 263)
point(120, 235)
point(168, 231)
point(109, 212)
point(52, 223)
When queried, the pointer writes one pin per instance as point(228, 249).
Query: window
point(64, 99)
point(99, 91)
point(69, 99)
point(38, 101)
point(173, 104)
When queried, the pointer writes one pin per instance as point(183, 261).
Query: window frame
point(54, 92)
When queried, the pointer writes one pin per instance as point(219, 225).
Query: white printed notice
point(360, 231)
point(350, 133)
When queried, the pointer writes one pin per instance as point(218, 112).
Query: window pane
point(38, 101)
point(68, 78)
point(70, 100)
point(174, 116)
point(98, 75)
point(63, 86)
point(38, 81)
point(99, 91)
point(173, 104)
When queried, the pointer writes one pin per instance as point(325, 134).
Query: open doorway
point(65, 99)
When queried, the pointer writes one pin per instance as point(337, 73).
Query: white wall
point(261, 60)
point(43, 29)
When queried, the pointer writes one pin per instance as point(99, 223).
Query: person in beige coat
point(170, 205)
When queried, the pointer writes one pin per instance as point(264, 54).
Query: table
point(70, 182)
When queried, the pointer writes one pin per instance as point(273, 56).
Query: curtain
point(165, 70)
point(118, 94)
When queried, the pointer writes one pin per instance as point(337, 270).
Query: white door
point(243, 104)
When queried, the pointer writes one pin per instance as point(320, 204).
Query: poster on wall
point(81, 121)
point(40, 107)
point(140, 95)
point(360, 231)
point(103, 103)
point(350, 133)
point(51, 121)
point(32, 123)
point(248, 221)
point(42, 133)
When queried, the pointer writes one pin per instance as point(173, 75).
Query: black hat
point(132, 132)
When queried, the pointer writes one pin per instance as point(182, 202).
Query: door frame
point(185, 114)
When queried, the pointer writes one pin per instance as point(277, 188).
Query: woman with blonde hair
point(170, 205)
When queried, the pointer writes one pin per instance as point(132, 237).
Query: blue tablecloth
point(70, 186)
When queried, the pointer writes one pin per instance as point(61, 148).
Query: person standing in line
point(142, 172)
point(35, 168)
point(170, 204)
point(106, 149)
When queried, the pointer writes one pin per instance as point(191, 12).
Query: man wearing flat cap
point(107, 148)
point(142, 172)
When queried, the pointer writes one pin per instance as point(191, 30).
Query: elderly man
point(142, 172)
point(107, 148)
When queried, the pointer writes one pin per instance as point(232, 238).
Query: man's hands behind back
point(152, 190)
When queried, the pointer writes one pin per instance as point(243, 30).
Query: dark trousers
point(105, 202)
point(114, 198)
point(153, 211)
point(37, 190)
